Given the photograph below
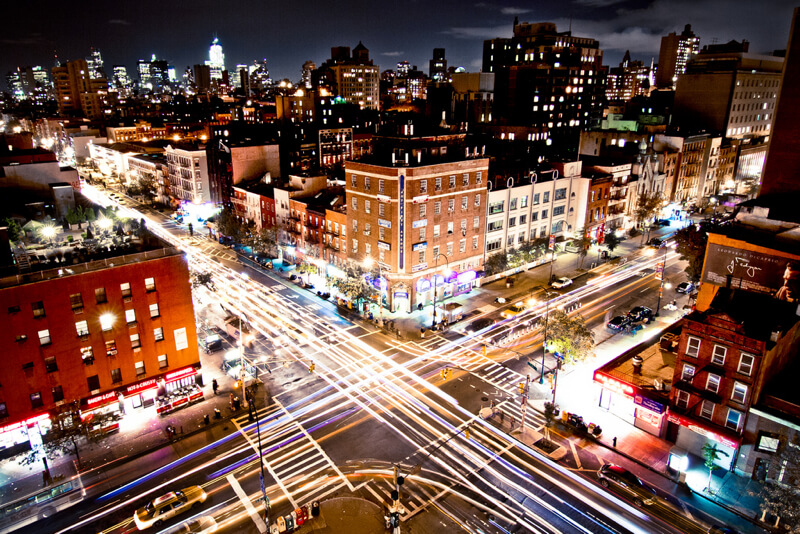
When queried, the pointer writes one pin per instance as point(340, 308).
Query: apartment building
point(418, 208)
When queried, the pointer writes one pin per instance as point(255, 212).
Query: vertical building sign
point(181, 340)
point(402, 223)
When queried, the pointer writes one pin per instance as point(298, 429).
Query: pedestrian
point(231, 401)
point(502, 416)
point(214, 386)
point(614, 442)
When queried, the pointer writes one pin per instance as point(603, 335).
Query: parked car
point(619, 323)
point(479, 324)
point(640, 313)
point(611, 475)
point(655, 242)
point(212, 343)
point(685, 287)
point(562, 282)
point(168, 506)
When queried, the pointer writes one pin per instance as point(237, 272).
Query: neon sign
point(147, 384)
point(101, 398)
point(613, 384)
point(180, 373)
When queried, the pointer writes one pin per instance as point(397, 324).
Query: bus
point(41, 504)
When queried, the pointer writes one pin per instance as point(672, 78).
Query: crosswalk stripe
point(237, 488)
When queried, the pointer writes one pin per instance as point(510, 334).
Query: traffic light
point(311, 368)
point(394, 519)
point(521, 387)
point(237, 384)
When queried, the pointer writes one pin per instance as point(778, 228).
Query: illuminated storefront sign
point(383, 245)
point(466, 276)
point(417, 224)
point(180, 373)
point(419, 267)
point(384, 198)
point(650, 404)
point(402, 221)
point(385, 223)
point(25, 423)
point(420, 199)
point(613, 384)
point(419, 246)
point(101, 398)
point(141, 386)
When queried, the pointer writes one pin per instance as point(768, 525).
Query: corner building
point(420, 213)
point(108, 340)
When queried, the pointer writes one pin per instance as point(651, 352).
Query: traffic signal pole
point(525, 402)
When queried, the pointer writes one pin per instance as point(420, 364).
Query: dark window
point(28, 365)
point(93, 382)
point(38, 309)
point(3, 410)
point(22, 337)
point(50, 364)
point(58, 394)
point(13, 309)
point(76, 301)
point(116, 375)
point(100, 295)
point(36, 400)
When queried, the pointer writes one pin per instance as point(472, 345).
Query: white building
point(216, 59)
point(552, 202)
point(188, 172)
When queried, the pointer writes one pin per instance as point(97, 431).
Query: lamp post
point(368, 262)
point(661, 286)
point(544, 342)
point(435, 268)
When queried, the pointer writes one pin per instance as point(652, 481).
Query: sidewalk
point(17, 480)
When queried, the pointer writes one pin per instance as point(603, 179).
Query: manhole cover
point(484, 399)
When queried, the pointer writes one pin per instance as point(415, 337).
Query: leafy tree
point(647, 207)
point(265, 242)
point(549, 417)
point(496, 263)
point(691, 245)
point(355, 285)
point(569, 336)
point(611, 241)
point(147, 186)
point(711, 454)
point(229, 225)
point(14, 229)
point(202, 279)
point(781, 498)
point(582, 242)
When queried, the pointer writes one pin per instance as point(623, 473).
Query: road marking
point(237, 488)
point(575, 453)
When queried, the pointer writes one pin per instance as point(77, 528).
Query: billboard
point(753, 271)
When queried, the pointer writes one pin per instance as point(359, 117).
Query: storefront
point(18, 437)
point(101, 413)
point(140, 395)
point(693, 435)
point(629, 403)
point(180, 389)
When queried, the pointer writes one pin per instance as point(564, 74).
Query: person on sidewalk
point(214, 386)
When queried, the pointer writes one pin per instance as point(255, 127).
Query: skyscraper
point(95, 63)
point(675, 53)
point(437, 69)
point(216, 59)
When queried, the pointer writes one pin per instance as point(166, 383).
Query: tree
point(582, 242)
point(569, 336)
point(781, 497)
point(691, 245)
point(355, 285)
point(14, 229)
point(550, 412)
point(147, 187)
point(647, 206)
point(711, 454)
point(611, 241)
point(229, 225)
point(62, 438)
point(496, 263)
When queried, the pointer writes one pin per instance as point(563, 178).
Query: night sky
point(287, 33)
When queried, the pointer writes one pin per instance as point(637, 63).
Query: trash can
point(315, 508)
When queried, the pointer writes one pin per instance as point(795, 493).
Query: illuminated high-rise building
point(216, 59)
point(676, 51)
point(308, 68)
point(437, 70)
point(145, 74)
point(77, 93)
point(95, 63)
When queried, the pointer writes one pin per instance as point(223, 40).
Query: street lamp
point(661, 286)
point(544, 342)
point(435, 268)
point(368, 263)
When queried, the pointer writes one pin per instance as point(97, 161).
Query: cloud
point(121, 22)
point(394, 53)
point(514, 11)
point(598, 3)
point(30, 40)
point(489, 32)
point(501, 9)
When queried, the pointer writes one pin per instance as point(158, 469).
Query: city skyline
point(289, 37)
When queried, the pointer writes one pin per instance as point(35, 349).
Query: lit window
point(712, 383)
point(688, 372)
point(130, 316)
point(162, 361)
point(718, 357)
point(87, 355)
point(158, 334)
point(154, 310)
point(734, 419)
point(135, 341)
point(76, 300)
point(139, 368)
point(44, 337)
point(150, 284)
point(82, 327)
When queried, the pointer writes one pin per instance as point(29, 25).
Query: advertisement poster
point(753, 271)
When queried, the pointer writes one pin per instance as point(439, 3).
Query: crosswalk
point(299, 466)
point(413, 497)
